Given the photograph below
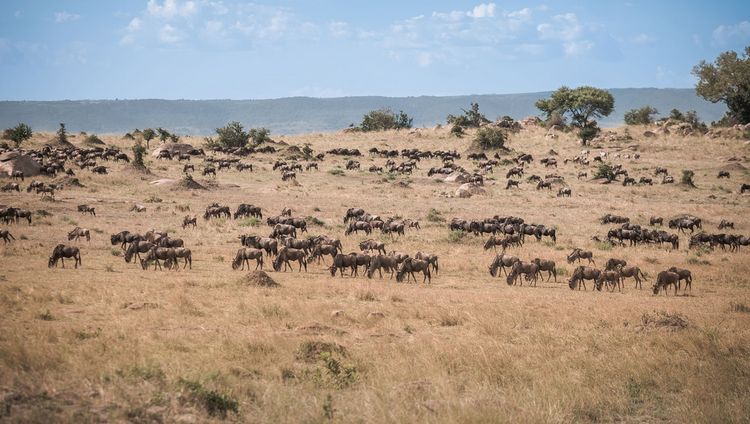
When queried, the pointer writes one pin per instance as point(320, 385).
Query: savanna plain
point(111, 342)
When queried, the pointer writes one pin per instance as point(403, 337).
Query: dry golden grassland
point(109, 342)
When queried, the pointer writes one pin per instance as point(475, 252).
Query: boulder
point(173, 148)
point(15, 161)
point(649, 134)
point(457, 177)
point(468, 190)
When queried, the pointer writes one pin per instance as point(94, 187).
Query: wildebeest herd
point(286, 246)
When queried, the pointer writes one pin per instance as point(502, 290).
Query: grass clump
point(214, 402)
point(434, 215)
point(250, 222)
point(456, 236)
point(337, 172)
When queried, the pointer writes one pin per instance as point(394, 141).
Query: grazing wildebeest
point(410, 266)
point(530, 270)
point(286, 211)
point(612, 278)
point(287, 254)
point(632, 272)
point(564, 191)
point(500, 262)
point(431, 259)
point(353, 213)
point(181, 252)
point(164, 154)
point(744, 188)
point(61, 252)
point(681, 224)
point(324, 249)
point(613, 263)
point(578, 254)
point(160, 253)
point(581, 274)
point(6, 236)
point(544, 184)
point(357, 226)
point(352, 164)
point(684, 274)
point(511, 183)
point(382, 262)
point(209, 170)
point(167, 241)
point(79, 232)
point(243, 166)
point(342, 261)
point(371, 245)
point(10, 187)
point(84, 209)
point(244, 255)
point(24, 214)
point(656, 220)
point(726, 224)
point(659, 170)
point(583, 175)
point(17, 175)
point(248, 210)
point(136, 248)
point(270, 245)
point(123, 238)
point(188, 167)
point(516, 170)
point(723, 174)
point(188, 220)
point(547, 265)
point(393, 227)
point(288, 175)
point(664, 279)
point(283, 230)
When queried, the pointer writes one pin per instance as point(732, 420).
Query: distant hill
point(295, 115)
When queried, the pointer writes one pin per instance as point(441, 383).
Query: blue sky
point(219, 49)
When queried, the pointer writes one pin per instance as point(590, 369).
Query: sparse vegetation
point(385, 119)
point(18, 134)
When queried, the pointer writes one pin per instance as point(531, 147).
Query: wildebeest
point(286, 211)
point(380, 263)
point(24, 214)
point(614, 219)
point(84, 209)
point(632, 272)
point(283, 230)
point(357, 226)
point(79, 232)
point(181, 252)
point(726, 224)
point(156, 254)
point(612, 278)
point(613, 263)
point(581, 274)
point(167, 241)
point(744, 188)
point(370, 245)
point(10, 187)
point(188, 167)
point(353, 213)
point(244, 255)
point(431, 259)
point(410, 266)
point(188, 220)
point(628, 181)
point(216, 211)
point(352, 164)
point(563, 192)
point(209, 170)
point(544, 184)
point(645, 180)
point(288, 175)
point(500, 262)
point(723, 174)
point(689, 222)
point(578, 254)
point(393, 227)
point(547, 265)
point(511, 183)
point(517, 171)
point(663, 280)
point(123, 238)
point(668, 180)
point(270, 245)
point(244, 210)
point(656, 220)
point(342, 261)
point(136, 248)
point(6, 236)
point(530, 270)
point(659, 170)
point(684, 274)
point(60, 252)
point(582, 175)
point(323, 249)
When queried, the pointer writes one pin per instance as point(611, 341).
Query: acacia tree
point(583, 105)
point(727, 80)
point(163, 134)
point(148, 135)
point(18, 134)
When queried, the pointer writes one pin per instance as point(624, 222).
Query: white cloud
point(725, 34)
point(169, 34)
point(564, 27)
point(643, 38)
point(171, 9)
point(484, 10)
point(339, 29)
point(135, 24)
point(577, 48)
point(61, 17)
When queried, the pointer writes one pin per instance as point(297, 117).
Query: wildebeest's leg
point(62, 259)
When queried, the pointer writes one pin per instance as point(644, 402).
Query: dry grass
point(110, 342)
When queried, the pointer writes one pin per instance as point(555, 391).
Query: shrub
point(385, 119)
point(46, 316)
point(93, 139)
point(456, 235)
point(315, 221)
point(138, 151)
point(232, 135)
point(18, 134)
point(215, 403)
point(641, 116)
point(687, 178)
point(605, 170)
point(62, 133)
point(471, 118)
point(250, 222)
point(336, 171)
point(490, 138)
point(434, 215)
point(260, 135)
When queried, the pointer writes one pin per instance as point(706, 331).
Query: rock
point(649, 134)
point(174, 149)
point(468, 190)
point(14, 161)
point(457, 177)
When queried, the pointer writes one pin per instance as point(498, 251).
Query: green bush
point(455, 236)
point(605, 170)
point(215, 403)
point(18, 134)
point(385, 119)
point(641, 116)
point(138, 151)
point(260, 135)
point(490, 138)
point(687, 177)
point(435, 216)
point(232, 135)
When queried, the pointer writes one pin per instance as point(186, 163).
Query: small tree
point(490, 138)
point(18, 134)
point(687, 177)
point(232, 135)
point(148, 135)
point(384, 119)
point(584, 105)
point(62, 133)
point(163, 134)
point(641, 116)
point(605, 170)
point(174, 138)
point(138, 151)
point(260, 135)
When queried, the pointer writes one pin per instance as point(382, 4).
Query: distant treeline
point(295, 115)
